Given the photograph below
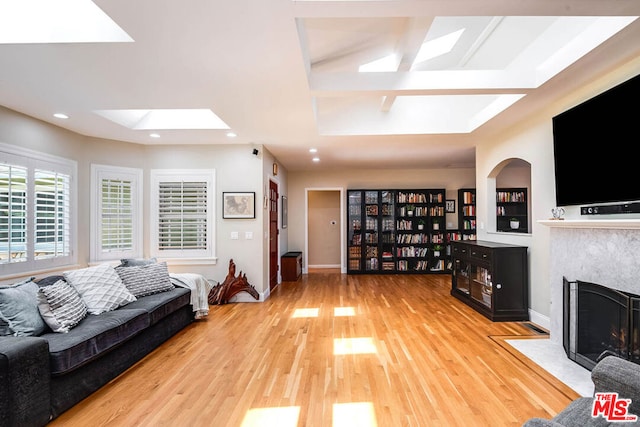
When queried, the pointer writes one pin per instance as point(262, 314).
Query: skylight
point(165, 119)
point(438, 46)
point(57, 21)
point(387, 63)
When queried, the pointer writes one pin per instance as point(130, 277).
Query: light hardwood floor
point(419, 358)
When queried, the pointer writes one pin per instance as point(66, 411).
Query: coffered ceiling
point(369, 84)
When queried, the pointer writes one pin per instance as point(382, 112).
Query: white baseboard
point(324, 266)
point(540, 319)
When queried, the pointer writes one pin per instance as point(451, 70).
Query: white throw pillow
point(100, 288)
point(61, 306)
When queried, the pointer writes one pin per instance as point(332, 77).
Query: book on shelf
point(468, 197)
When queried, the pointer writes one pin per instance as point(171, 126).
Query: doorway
point(273, 235)
point(324, 229)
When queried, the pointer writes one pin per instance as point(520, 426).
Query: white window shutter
point(116, 213)
point(52, 214)
point(13, 214)
point(183, 214)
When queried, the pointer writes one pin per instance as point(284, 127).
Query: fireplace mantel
point(624, 224)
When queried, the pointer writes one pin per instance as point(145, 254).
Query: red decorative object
point(232, 285)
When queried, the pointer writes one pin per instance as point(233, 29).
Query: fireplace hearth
point(599, 321)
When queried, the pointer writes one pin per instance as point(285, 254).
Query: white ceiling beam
point(409, 46)
point(401, 8)
point(464, 81)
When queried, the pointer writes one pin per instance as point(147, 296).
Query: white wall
point(237, 169)
point(534, 145)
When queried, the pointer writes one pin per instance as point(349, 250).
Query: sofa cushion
point(132, 262)
point(61, 306)
point(161, 304)
point(19, 315)
point(577, 413)
point(49, 280)
point(149, 279)
point(100, 288)
point(92, 337)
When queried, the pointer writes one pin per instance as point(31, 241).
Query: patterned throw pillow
point(146, 279)
point(100, 288)
point(132, 262)
point(19, 315)
point(61, 306)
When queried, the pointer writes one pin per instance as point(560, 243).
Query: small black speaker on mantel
point(622, 208)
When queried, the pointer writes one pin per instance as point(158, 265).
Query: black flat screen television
point(594, 147)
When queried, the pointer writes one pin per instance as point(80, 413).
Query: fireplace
point(599, 321)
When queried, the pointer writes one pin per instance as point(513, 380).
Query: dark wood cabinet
point(291, 266)
point(492, 278)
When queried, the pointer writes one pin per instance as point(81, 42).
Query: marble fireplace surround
point(602, 251)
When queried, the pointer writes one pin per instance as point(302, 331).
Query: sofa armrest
point(613, 374)
point(24, 381)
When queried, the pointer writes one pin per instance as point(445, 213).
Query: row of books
point(469, 224)
point(510, 196)
point(468, 198)
point(412, 238)
point(456, 235)
point(412, 252)
point(412, 197)
point(404, 265)
point(469, 210)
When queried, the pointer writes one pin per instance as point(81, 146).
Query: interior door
point(273, 234)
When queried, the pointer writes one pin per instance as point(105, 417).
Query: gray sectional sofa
point(43, 375)
point(610, 375)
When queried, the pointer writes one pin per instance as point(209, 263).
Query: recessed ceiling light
point(316, 159)
point(231, 134)
point(154, 135)
point(313, 150)
point(60, 116)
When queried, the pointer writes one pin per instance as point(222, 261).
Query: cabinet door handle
point(498, 286)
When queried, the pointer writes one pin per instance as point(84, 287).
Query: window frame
point(135, 176)
point(183, 256)
point(33, 161)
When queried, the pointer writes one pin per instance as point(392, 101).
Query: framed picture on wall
point(450, 206)
point(239, 205)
